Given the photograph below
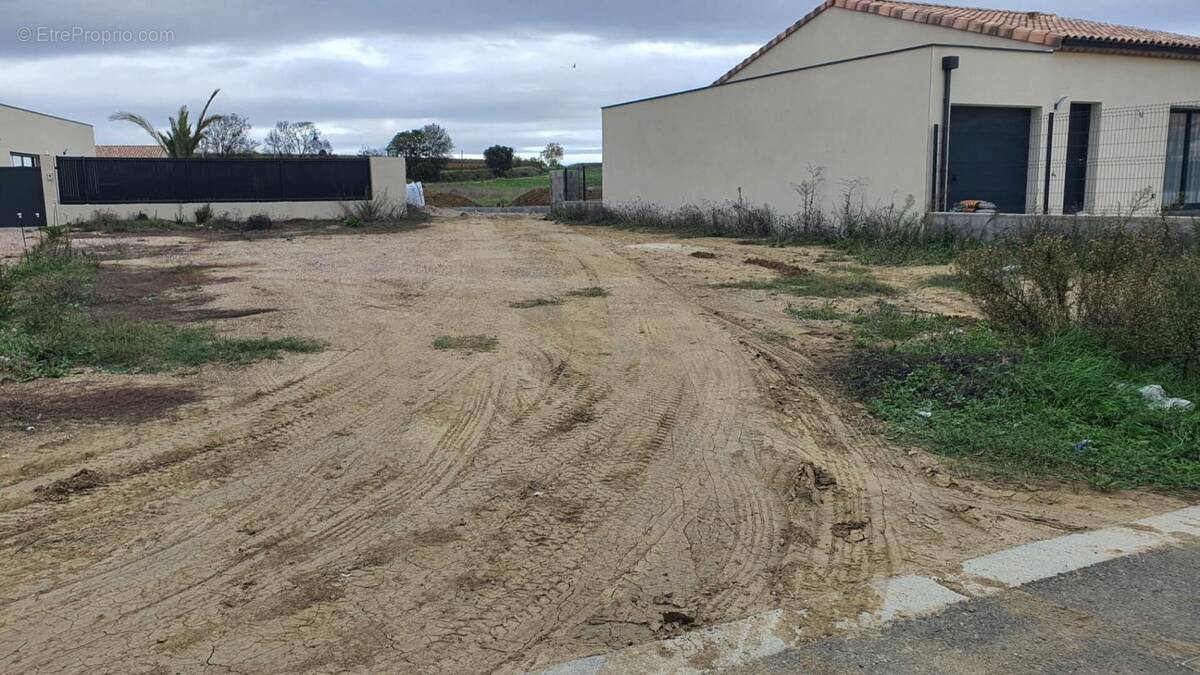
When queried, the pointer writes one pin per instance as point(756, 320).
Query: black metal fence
point(583, 182)
point(1105, 161)
point(1088, 158)
point(101, 180)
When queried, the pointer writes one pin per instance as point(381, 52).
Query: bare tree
point(296, 138)
point(229, 136)
point(553, 154)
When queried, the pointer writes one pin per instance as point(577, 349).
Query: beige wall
point(387, 180)
point(1129, 144)
point(838, 33)
point(33, 133)
point(865, 119)
point(873, 119)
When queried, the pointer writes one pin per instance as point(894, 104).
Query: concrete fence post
point(558, 186)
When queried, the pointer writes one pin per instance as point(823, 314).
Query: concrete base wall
point(990, 226)
point(387, 182)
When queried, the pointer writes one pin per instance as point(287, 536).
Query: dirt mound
point(61, 490)
point(535, 197)
point(781, 267)
point(447, 200)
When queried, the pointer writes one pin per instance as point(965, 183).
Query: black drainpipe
point(949, 64)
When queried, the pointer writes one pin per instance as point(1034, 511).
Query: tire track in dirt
point(616, 461)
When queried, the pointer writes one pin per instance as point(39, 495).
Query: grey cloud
point(491, 72)
point(271, 21)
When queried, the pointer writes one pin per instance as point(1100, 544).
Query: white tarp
point(416, 195)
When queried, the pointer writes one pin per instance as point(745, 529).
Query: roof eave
point(1117, 47)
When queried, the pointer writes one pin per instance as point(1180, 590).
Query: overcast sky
point(514, 72)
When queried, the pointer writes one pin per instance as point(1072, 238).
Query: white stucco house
point(1034, 112)
point(28, 143)
point(25, 135)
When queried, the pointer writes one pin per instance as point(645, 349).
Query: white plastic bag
point(416, 195)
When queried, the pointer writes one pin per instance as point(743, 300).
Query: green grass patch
point(535, 302)
point(898, 251)
point(825, 312)
point(1020, 407)
point(950, 281)
point(502, 191)
point(589, 292)
point(122, 346)
point(821, 286)
point(466, 343)
point(48, 328)
point(888, 322)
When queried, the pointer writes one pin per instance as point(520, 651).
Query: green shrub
point(379, 208)
point(203, 214)
point(258, 221)
point(1136, 288)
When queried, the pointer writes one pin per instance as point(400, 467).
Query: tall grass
point(874, 233)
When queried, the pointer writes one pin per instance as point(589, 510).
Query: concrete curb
point(740, 642)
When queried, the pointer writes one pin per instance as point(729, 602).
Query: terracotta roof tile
point(1040, 28)
point(130, 151)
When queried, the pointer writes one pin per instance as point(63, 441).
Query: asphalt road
point(1139, 614)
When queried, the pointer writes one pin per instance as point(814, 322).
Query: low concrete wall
point(387, 181)
point(989, 226)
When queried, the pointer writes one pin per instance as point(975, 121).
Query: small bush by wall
point(379, 208)
point(1136, 288)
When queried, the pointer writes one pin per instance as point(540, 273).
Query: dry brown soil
point(619, 469)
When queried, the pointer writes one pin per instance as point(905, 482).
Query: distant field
point(502, 191)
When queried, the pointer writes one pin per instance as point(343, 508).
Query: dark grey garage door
point(21, 203)
point(989, 156)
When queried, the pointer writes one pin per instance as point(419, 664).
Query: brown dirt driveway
point(619, 469)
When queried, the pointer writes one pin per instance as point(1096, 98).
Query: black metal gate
point(989, 156)
point(21, 200)
point(1079, 134)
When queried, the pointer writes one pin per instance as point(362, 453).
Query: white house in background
point(1032, 111)
point(25, 135)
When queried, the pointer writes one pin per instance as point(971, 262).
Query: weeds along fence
point(91, 180)
point(814, 221)
point(1089, 159)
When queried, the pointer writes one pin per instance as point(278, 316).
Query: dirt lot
point(619, 469)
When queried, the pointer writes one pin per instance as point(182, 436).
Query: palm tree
point(180, 140)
